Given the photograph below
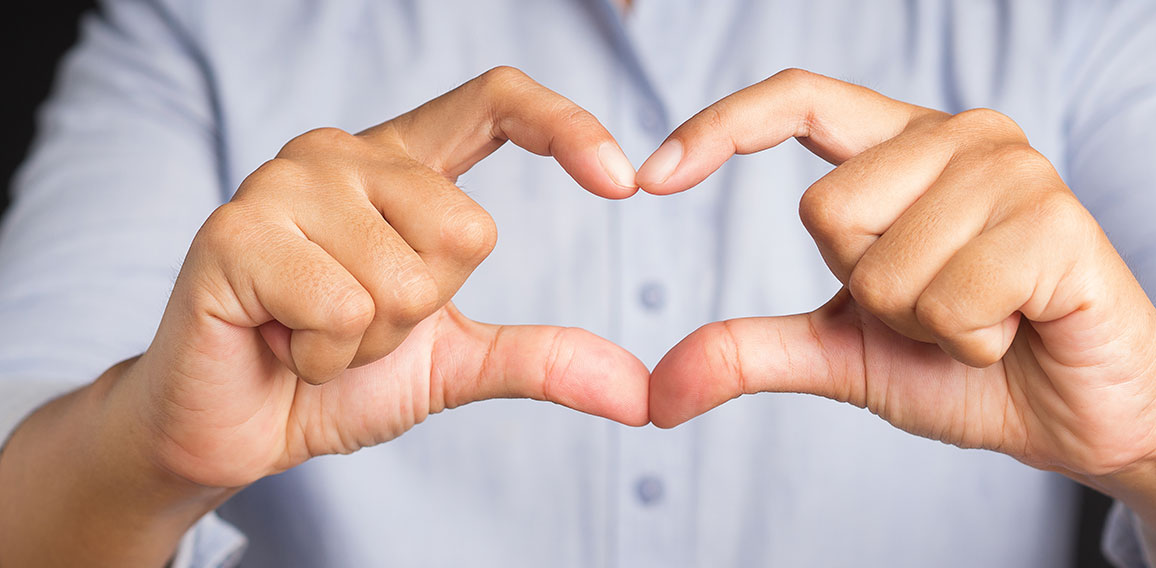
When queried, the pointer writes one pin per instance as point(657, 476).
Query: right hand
point(312, 313)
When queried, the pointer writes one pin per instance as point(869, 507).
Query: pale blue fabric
point(167, 105)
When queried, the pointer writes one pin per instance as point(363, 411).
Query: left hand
point(982, 305)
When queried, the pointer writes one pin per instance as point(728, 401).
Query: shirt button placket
point(654, 492)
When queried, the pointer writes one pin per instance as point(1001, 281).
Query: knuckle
point(574, 117)
point(416, 298)
point(469, 233)
point(225, 226)
point(1061, 212)
point(984, 122)
point(1020, 160)
point(223, 220)
point(794, 75)
point(326, 139)
point(802, 84)
point(276, 172)
point(500, 78)
point(823, 214)
point(714, 117)
point(875, 290)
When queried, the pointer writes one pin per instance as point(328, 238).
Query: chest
point(646, 270)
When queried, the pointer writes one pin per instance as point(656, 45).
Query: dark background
point(34, 42)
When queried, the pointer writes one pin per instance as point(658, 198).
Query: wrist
point(1133, 485)
point(77, 486)
point(128, 443)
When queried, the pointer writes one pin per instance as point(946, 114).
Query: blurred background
point(34, 43)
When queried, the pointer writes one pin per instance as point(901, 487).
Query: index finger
point(834, 119)
point(456, 130)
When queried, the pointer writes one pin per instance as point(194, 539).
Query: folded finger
point(447, 229)
point(848, 209)
point(891, 274)
point(279, 275)
point(403, 287)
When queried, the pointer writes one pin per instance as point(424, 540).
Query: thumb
point(473, 361)
point(817, 353)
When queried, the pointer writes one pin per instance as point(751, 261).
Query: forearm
point(77, 488)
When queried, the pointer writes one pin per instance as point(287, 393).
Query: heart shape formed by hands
point(982, 305)
point(964, 318)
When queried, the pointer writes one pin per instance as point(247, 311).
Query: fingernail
point(661, 164)
point(617, 166)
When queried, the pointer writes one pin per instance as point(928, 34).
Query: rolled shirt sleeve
point(124, 170)
point(1124, 543)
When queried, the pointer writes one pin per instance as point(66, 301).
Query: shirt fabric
point(166, 106)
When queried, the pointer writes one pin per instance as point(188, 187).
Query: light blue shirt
point(167, 105)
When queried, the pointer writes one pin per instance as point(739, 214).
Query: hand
point(344, 252)
point(982, 304)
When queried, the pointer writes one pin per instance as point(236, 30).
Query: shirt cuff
point(211, 543)
point(1124, 544)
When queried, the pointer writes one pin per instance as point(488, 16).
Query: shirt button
point(650, 119)
point(652, 296)
point(649, 490)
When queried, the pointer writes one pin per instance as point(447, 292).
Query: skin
point(982, 304)
point(982, 307)
point(312, 317)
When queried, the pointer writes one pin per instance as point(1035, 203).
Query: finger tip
point(662, 164)
point(682, 387)
point(601, 184)
point(982, 348)
point(591, 175)
point(607, 189)
point(639, 403)
point(677, 183)
point(650, 183)
point(655, 189)
point(664, 421)
point(617, 168)
point(615, 384)
point(644, 180)
point(666, 412)
point(619, 192)
point(662, 395)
